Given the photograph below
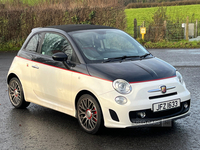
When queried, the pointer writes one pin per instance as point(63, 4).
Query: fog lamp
point(142, 114)
point(185, 105)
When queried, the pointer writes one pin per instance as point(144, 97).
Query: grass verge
point(170, 44)
point(173, 12)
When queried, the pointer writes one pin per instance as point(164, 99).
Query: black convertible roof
point(76, 27)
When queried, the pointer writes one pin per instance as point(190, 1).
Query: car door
point(25, 63)
point(51, 80)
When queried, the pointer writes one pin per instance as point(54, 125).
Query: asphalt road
point(41, 128)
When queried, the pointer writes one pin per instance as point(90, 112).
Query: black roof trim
point(76, 27)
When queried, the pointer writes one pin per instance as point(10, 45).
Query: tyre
point(16, 94)
point(89, 114)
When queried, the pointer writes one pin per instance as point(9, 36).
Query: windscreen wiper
point(145, 55)
point(119, 58)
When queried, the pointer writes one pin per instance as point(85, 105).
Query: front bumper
point(151, 118)
point(154, 116)
point(123, 116)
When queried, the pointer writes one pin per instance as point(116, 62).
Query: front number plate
point(166, 105)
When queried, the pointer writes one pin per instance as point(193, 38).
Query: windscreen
point(102, 44)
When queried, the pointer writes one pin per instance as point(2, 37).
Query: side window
point(33, 43)
point(54, 43)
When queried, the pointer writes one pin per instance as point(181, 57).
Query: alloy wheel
point(87, 114)
point(15, 92)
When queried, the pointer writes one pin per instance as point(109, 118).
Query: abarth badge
point(163, 89)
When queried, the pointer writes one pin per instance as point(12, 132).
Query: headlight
point(179, 76)
point(122, 86)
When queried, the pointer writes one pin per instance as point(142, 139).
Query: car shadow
point(42, 123)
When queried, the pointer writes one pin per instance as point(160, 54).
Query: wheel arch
point(10, 76)
point(24, 103)
point(86, 92)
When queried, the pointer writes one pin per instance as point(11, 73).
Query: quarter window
point(33, 43)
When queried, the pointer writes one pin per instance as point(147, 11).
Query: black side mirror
point(60, 56)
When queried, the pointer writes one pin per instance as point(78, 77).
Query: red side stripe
point(90, 75)
point(63, 69)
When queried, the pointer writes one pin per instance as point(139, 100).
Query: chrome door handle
point(36, 67)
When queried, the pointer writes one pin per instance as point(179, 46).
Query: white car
point(98, 74)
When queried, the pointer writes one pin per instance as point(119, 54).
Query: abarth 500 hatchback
point(98, 74)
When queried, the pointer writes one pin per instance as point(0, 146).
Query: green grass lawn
point(27, 2)
point(173, 12)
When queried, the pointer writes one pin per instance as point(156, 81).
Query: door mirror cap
point(60, 56)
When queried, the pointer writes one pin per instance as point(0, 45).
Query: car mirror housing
point(60, 56)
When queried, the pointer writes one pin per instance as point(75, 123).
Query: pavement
point(195, 39)
point(179, 57)
point(40, 128)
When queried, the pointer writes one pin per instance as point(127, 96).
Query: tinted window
point(54, 43)
point(33, 43)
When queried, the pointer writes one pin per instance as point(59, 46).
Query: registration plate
point(166, 105)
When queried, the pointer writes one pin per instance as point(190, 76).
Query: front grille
point(151, 116)
point(161, 96)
